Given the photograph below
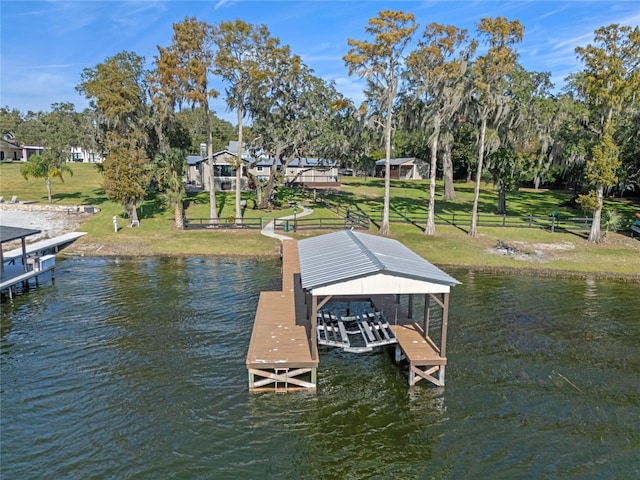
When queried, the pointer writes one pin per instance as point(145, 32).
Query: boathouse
point(353, 291)
point(28, 262)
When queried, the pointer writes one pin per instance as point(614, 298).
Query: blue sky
point(45, 45)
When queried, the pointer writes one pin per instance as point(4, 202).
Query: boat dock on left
point(21, 265)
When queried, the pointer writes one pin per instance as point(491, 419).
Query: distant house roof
point(264, 162)
point(397, 161)
point(196, 159)
point(354, 263)
point(311, 162)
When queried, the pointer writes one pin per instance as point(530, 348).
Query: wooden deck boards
point(418, 350)
point(421, 353)
point(278, 341)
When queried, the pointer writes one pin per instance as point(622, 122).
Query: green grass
point(84, 187)
point(412, 196)
point(157, 235)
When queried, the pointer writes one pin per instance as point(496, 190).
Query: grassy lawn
point(537, 248)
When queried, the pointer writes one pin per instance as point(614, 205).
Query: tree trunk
point(179, 214)
point(268, 190)
point(48, 182)
point(431, 223)
point(258, 194)
point(384, 227)
point(213, 210)
point(473, 230)
point(502, 201)
point(239, 169)
point(133, 220)
point(594, 234)
point(447, 173)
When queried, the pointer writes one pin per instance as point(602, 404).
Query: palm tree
point(44, 166)
point(168, 171)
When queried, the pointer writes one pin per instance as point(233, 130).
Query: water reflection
point(134, 368)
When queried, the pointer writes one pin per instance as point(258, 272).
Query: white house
point(79, 154)
point(12, 150)
point(311, 171)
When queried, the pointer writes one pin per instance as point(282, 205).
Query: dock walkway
point(420, 351)
point(38, 248)
point(280, 354)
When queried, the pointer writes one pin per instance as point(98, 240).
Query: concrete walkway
point(269, 230)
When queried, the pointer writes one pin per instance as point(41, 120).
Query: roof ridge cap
point(370, 255)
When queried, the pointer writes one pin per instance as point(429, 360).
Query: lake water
point(134, 369)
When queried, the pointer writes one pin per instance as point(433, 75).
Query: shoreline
point(54, 221)
point(543, 272)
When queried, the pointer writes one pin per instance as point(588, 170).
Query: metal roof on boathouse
point(355, 263)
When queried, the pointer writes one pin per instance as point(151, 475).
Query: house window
point(259, 169)
point(224, 171)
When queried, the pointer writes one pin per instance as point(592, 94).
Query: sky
point(45, 45)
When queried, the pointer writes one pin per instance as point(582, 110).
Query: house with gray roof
point(401, 168)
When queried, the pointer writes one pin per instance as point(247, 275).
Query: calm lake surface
point(134, 369)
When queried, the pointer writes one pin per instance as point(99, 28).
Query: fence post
point(453, 219)
point(530, 219)
point(504, 219)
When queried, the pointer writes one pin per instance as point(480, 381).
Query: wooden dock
point(15, 277)
point(281, 354)
point(421, 353)
point(283, 350)
point(38, 248)
point(21, 265)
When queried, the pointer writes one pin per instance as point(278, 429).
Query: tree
point(183, 68)
point(168, 170)
point(57, 134)
point(610, 80)
point(381, 62)
point(195, 122)
point(40, 166)
point(489, 77)
point(241, 62)
point(117, 92)
point(292, 111)
point(438, 77)
point(524, 136)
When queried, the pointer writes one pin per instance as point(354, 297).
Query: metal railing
point(550, 222)
point(231, 222)
point(334, 223)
